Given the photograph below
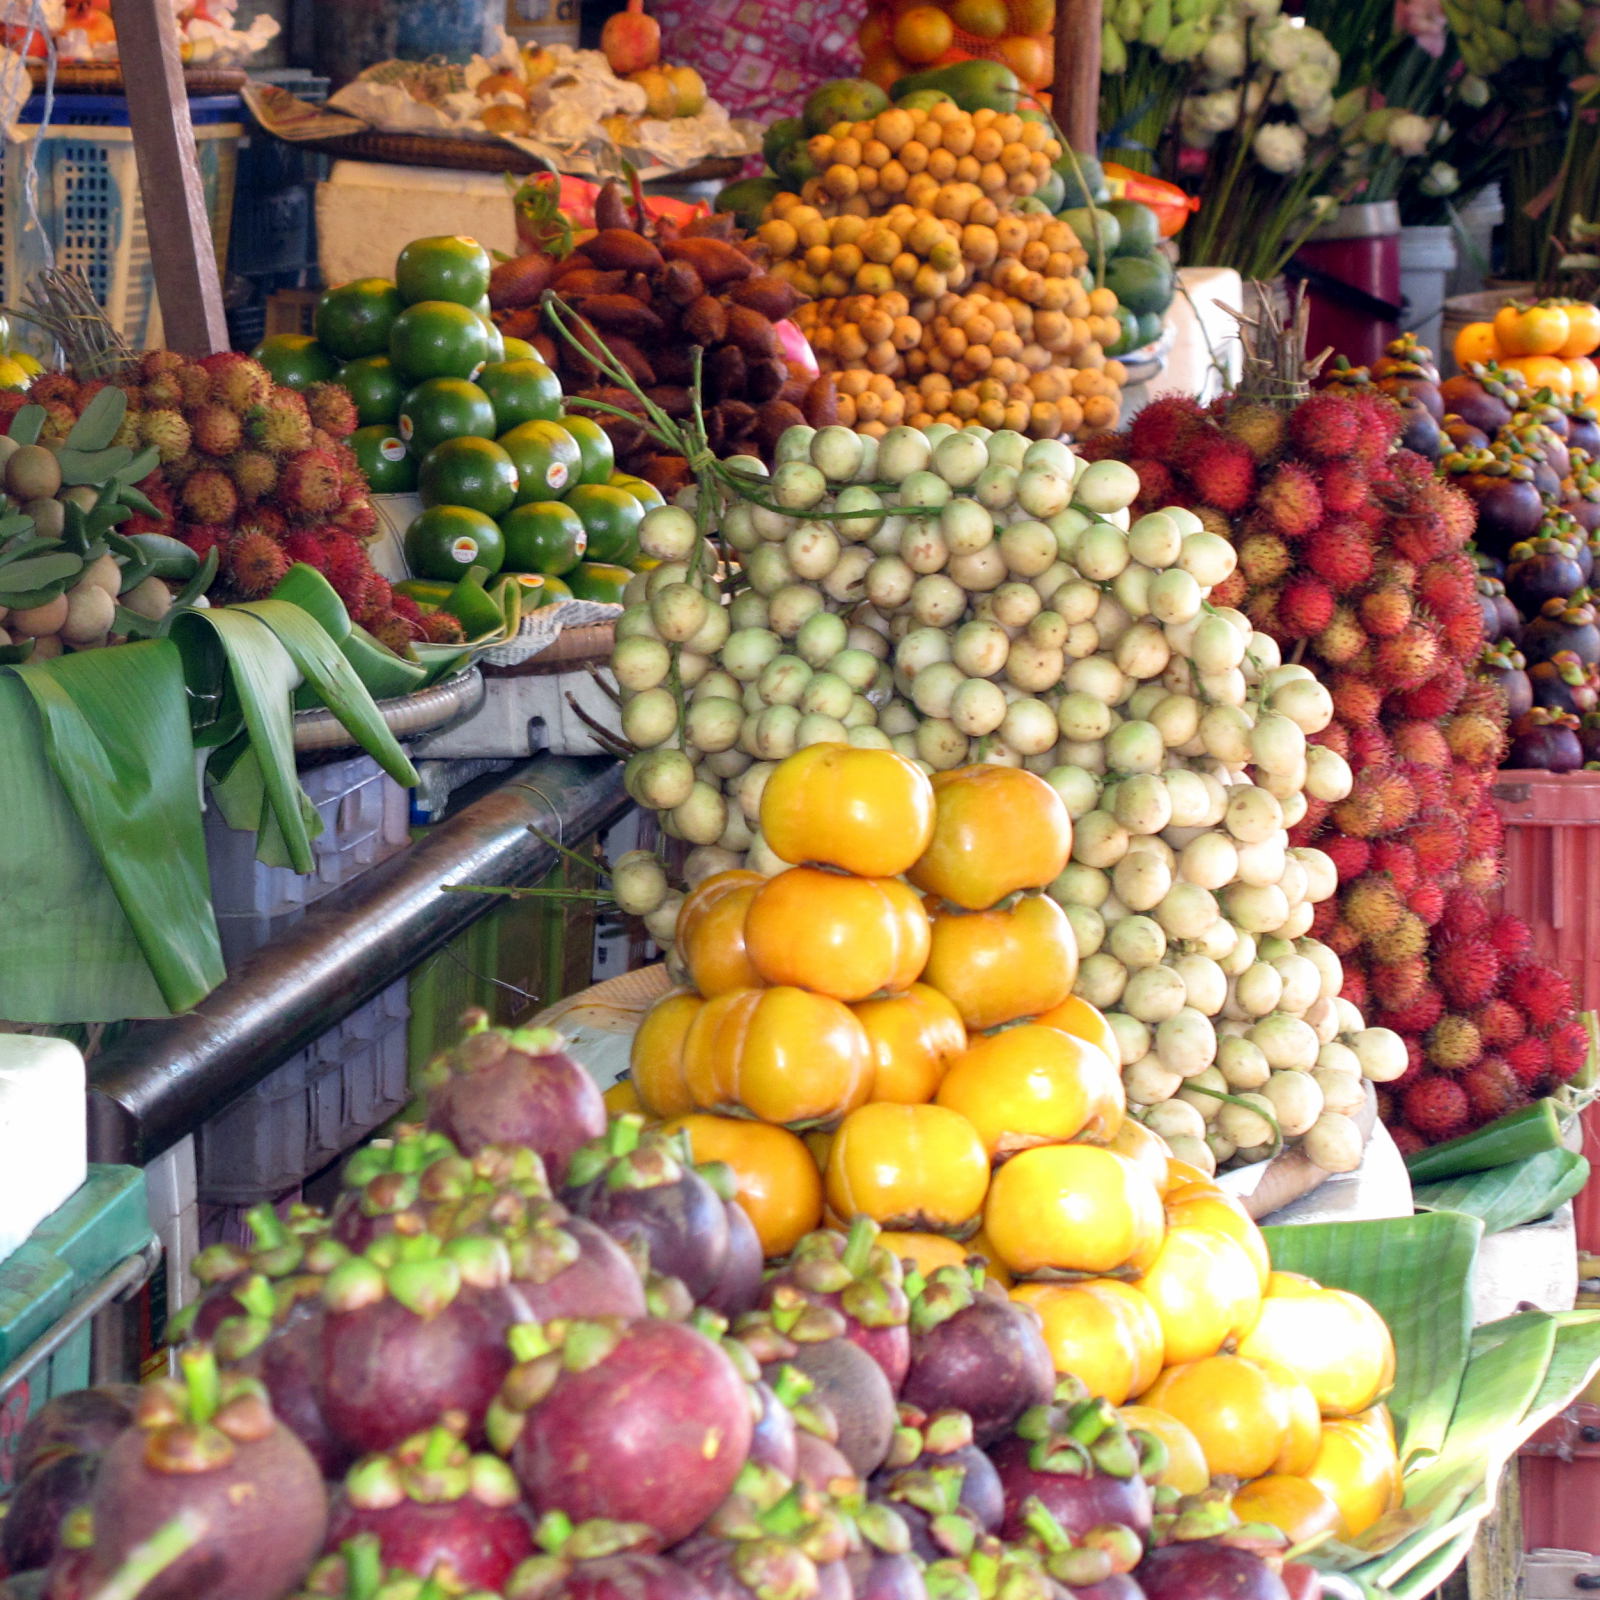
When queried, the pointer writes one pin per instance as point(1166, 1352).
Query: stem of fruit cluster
point(601, 895)
point(1235, 1100)
point(586, 862)
point(149, 1559)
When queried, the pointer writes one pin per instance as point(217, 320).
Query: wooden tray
point(483, 155)
point(105, 77)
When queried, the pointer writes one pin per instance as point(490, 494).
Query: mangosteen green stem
point(792, 1385)
point(363, 1566)
point(267, 1228)
point(985, 1571)
point(203, 1379)
point(587, 1344)
point(538, 1041)
point(425, 1287)
point(1045, 1526)
point(432, 1589)
point(436, 1452)
point(528, 1341)
point(170, 1543)
point(622, 1137)
point(1088, 1424)
point(858, 1245)
point(787, 1518)
point(555, 1528)
point(257, 1297)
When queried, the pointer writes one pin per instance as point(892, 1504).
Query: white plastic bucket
point(1427, 258)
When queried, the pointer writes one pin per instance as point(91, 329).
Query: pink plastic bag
point(761, 58)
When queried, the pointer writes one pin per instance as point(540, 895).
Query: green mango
point(305, 587)
point(843, 100)
point(429, 593)
point(747, 199)
point(783, 133)
point(1052, 191)
point(1083, 219)
point(1141, 283)
point(923, 100)
point(795, 166)
point(1141, 233)
point(973, 85)
point(1092, 189)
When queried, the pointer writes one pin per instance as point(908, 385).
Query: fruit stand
point(780, 892)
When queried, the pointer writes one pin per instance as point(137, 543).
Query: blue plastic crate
point(272, 229)
point(111, 110)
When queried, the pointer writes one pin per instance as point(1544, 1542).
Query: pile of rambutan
point(256, 471)
point(1352, 556)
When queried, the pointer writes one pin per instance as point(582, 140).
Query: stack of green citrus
point(473, 423)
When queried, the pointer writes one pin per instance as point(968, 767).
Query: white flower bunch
point(1281, 147)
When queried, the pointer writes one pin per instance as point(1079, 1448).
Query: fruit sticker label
point(407, 428)
point(463, 550)
point(477, 372)
point(556, 475)
point(394, 449)
point(581, 543)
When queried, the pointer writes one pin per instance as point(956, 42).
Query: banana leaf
point(104, 913)
point(1418, 1272)
point(1508, 1196)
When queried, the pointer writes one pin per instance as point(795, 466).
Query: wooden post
point(175, 213)
point(1075, 94)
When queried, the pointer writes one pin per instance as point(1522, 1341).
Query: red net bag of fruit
point(906, 36)
point(761, 58)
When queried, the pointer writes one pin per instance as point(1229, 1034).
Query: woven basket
point(573, 649)
point(106, 78)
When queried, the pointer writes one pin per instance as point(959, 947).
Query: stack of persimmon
point(888, 1030)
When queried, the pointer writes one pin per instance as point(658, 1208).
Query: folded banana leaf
point(104, 905)
point(1508, 1196)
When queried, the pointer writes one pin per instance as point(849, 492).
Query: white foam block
point(43, 1132)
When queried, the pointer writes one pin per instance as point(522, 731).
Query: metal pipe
point(161, 1080)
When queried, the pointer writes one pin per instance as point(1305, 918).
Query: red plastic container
point(1353, 278)
point(1560, 1469)
point(1553, 868)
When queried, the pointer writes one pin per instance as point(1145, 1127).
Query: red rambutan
point(1475, 739)
point(254, 564)
point(1432, 785)
point(201, 537)
point(216, 430)
point(1385, 611)
point(1529, 1058)
point(1354, 985)
point(1342, 640)
point(1467, 970)
point(1397, 796)
point(304, 546)
point(375, 597)
point(1326, 426)
point(391, 630)
point(60, 387)
point(236, 381)
point(1400, 986)
point(281, 424)
point(1264, 558)
point(1543, 995)
point(1232, 591)
point(264, 519)
point(1500, 1023)
point(442, 628)
point(1436, 1108)
point(1305, 607)
point(1426, 901)
point(1259, 605)
point(163, 390)
point(1465, 917)
point(332, 409)
point(1344, 487)
point(1157, 486)
point(1344, 941)
point(1372, 906)
point(1467, 787)
point(1482, 874)
point(1160, 427)
point(1417, 532)
point(1486, 832)
point(1323, 916)
point(1355, 700)
point(254, 473)
point(1407, 660)
point(1395, 860)
point(1342, 554)
point(1453, 1043)
point(1569, 1049)
point(1412, 1018)
point(1511, 937)
point(1335, 737)
point(404, 606)
point(1360, 813)
point(309, 482)
point(194, 382)
point(1462, 635)
point(1406, 1140)
point(153, 363)
point(1370, 747)
point(1350, 857)
point(1438, 841)
point(1310, 825)
point(209, 496)
point(1381, 423)
point(1436, 698)
point(1492, 1088)
point(1422, 744)
point(11, 402)
point(1447, 585)
point(166, 432)
point(1222, 471)
point(1289, 500)
point(1408, 937)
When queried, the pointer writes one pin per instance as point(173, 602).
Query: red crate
point(1553, 868)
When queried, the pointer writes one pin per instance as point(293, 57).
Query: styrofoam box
point(43, 1135)
point(308, 1112)
point(366, 819)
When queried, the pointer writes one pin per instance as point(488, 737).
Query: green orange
point(497, 340)
point(295, 360)
point(547, 458)
point(642, 490)
point(522, 391)
point(594, 443)
point(384, 460)
point(443, 268)
point(445, 408)
point(468, 472)
point(611, 518)
point(598, 580)
point(374, 386)
point(544, 536)
point(353, 320)
point(519, 350)
point(446, 540)
point(437, 339)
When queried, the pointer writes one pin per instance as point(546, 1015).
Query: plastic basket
point(1552, 823)
point(312, 1109)
point(90, 207)
point(365, 819)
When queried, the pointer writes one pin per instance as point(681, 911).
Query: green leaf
point(27, 545)
point(1508, 1196)
point(198, 583)
point(136, 471)
point(325, 669)
point(98, 424)
point(104, 518)
point(27, 425)
point(139, 501)
point(1418, 1272)
point(13, 523)
point(92, 466)
point(169, 558)
point(105, 909)
point(74, 530)
point(38, 572)
point(14, 654)
point(263, 675)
